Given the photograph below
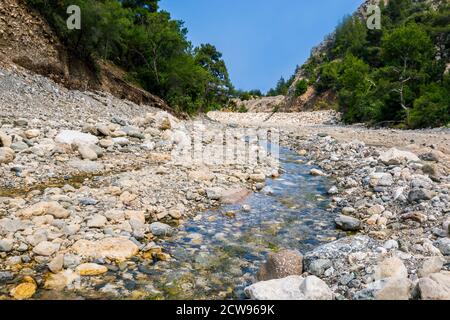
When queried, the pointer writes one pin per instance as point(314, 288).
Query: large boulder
point(395, 157)
point(281, 265)
point(290, 288)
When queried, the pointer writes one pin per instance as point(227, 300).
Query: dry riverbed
point(92, 187)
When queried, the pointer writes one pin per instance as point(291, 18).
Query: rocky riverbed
point(102, 198)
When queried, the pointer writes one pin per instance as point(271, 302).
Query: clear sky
point(261, 40)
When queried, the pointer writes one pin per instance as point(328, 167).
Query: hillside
point(358, 71)
point(27, 40)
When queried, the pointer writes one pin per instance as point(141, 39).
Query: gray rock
point(347, 223)
point(319, 266)
point(435, 286)
point(443, 245)
point(339, 249)
point(19, 146)
point(7, 155)
point(161, 229)
point(381, 179)
point(420, 194)
point(6, 245)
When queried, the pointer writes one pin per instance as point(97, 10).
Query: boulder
point(395, 288)
point(75, 137)
point(87, 152)
point(281, 265)
point(395, 157)
point(435, 287)
point(116, 248)
point(390, 267)
point(290, 288)
point(161, 229)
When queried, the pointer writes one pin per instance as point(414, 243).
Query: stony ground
point(89, 182)
point(90, 178)
point(392, 191)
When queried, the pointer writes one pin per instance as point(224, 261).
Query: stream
point(217, 254)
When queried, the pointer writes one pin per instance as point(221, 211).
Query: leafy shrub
point(301, 87)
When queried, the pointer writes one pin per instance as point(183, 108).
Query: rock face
point(395, 157)
point(281, 265)
point(112, 248)
point(347, 223)
point(435, 287)
point(290, 288)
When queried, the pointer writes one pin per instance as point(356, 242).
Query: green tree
point(407, 50)
point(350, 37)
point(301, 87)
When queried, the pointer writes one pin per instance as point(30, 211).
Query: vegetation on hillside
point(390, 76)
point(150, 46)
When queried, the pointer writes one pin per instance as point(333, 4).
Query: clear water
point(218, 253)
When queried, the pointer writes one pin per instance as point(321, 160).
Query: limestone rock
point(435, 287)
point(280, 265)
point(395, 157)
point(117, 248)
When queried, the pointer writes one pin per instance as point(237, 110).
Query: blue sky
point(261, 40)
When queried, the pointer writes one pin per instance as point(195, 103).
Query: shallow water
point(218, 253)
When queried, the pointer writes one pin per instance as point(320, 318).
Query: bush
point(242, 109)
point(301, 87)
point(432, 108)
